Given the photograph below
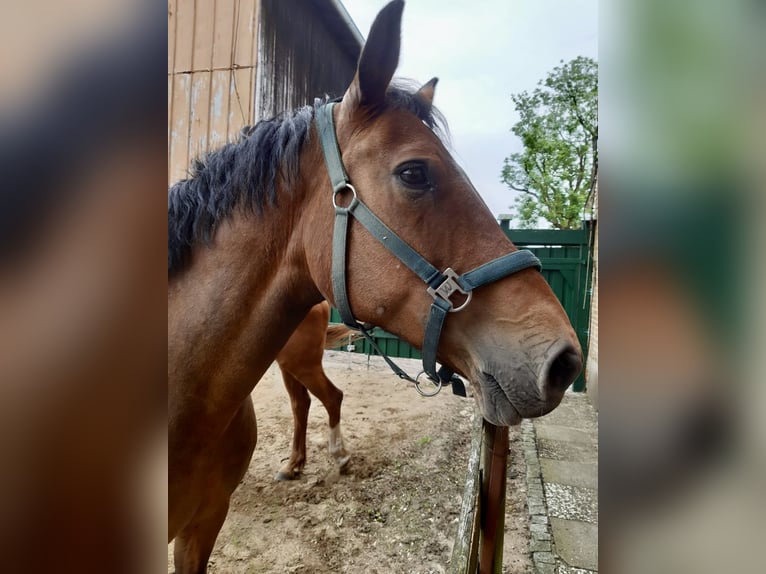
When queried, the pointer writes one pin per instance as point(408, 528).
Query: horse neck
point(234, 308)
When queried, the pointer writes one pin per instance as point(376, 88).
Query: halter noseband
point(441, 286)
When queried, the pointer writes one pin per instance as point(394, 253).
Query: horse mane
point(243, 174)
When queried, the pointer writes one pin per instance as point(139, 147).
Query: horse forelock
point(244, 173)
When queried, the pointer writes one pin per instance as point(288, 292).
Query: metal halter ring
point(449, 287)
point(341, 190)
point(437, 385)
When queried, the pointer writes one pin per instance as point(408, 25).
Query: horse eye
point(414, 175)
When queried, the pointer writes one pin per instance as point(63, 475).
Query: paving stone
point(566, 434)
point(536, 506)
point(576, 542)
point(557, 450)
point(575, 411)
point(565, 569)
point(544, 557)
point(581, 474)
point(571, 502)
point(539, 546)
point(542, 568)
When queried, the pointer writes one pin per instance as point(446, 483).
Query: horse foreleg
point(300, 401)
point(195, 541)
point(194, 544)
point(331, 397)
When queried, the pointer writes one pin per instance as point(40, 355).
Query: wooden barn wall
point(212, 57)
point(299, 57)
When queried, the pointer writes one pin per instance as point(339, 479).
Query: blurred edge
point(682, 280)
point(82, 280)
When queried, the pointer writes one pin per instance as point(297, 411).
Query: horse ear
point(427, 91)
point(379, 59)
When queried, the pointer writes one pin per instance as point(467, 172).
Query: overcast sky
point(482, 52)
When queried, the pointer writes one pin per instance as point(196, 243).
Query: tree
point(558, 168)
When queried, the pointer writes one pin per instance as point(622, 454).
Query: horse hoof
point(342, 462)
point(282, 476)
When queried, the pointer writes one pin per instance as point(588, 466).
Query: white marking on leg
point(336, 440)
point(336, 446)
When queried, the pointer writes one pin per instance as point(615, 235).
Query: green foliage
point(559, 130)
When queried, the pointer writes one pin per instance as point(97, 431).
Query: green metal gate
point(566, 259)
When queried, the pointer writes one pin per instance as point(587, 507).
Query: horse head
point(513, 340)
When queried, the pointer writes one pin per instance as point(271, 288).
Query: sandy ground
point(395, 507)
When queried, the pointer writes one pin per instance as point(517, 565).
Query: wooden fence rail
point(479, 542)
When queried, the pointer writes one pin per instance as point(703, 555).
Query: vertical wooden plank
point(495, 467)
point(239, 109)
point(220, 99)
point(259, 73)
point(172, 33)
point(172, 39)
point(184, 47)
point(255, 55)
point(179, 132)
point(219, 109)
point(170, 118)
point(243, 53)
point(200, 113)
point(189, 70)
point(202, 61)
point(230, 63)
point(464, 551)
point(223, 39)
point(245, 34)
point(254, 30)
point(204, 22)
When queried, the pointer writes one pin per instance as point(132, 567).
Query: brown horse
point(300, 361)
point(250, 252)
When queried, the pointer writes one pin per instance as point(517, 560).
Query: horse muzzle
point(512, 387)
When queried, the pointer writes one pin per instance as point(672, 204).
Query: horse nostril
point(563, 369)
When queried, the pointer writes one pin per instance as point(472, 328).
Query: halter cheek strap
point(442, 286)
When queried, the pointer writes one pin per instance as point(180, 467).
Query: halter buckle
point(448, 288)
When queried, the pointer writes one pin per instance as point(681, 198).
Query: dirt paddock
point(393, 510)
